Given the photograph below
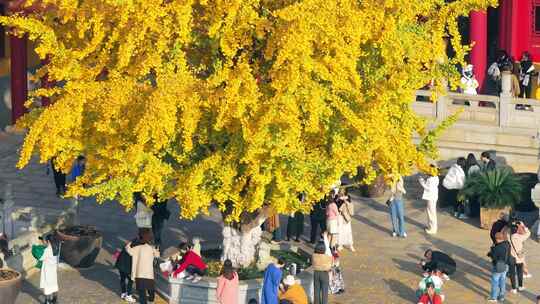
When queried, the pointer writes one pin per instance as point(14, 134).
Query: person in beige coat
point(142, 270)
point(520, 233)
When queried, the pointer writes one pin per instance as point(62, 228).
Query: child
point(191, 262)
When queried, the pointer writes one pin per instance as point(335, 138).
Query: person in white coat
point(431, 196)
point(48, 280)
point(468, 81)
point(454, 181)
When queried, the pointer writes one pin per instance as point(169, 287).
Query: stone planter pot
point(204, 291)
point(82, 250)
point(490, 215)
point(9, 289)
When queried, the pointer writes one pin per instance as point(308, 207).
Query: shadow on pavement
point(402, 290)
point(31, 290)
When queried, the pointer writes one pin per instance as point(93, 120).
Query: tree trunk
point(241, 245)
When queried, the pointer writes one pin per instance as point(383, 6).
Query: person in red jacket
point(430, 297)
point(191, 263)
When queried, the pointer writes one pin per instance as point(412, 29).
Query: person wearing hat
point(322, 264)
point(468, 81)
point(292, 292)
point(227, 285)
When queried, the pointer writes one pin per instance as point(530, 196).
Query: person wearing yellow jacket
point(292, 292)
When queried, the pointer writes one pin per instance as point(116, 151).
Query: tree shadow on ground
point(105, 275)
point(402, 290)
point(468, 264)
point(31, 290)
point(381, 207)
point(372, 224)
point(408, 266)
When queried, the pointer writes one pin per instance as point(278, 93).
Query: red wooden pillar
point(479, 51)
point(19, 81)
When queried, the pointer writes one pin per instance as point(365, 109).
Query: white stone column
point(442, 107)
point(505, 99)
point(7, 209)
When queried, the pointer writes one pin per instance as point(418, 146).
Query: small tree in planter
point(497, 190)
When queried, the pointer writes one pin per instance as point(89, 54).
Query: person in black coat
point(123, 264)
point(160, 215)
point(59, 178)
point(295, 223)
point(438, 260)
point(498, 226)
point(318, 220)
point(489, 163)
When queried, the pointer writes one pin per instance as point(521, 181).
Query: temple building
point(514, 26)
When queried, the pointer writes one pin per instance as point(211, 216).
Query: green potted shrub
point(496, 190)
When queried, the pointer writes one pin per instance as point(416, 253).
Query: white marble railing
point(502, 111)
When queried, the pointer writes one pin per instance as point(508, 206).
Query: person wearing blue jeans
point(498, 285)
point(500, 254)
point(397, 213)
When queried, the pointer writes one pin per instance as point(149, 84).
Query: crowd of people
point(331, 231)
point(453, 181)
point(332, 214)
point(522, 75)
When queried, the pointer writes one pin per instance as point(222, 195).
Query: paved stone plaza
point(383, 270)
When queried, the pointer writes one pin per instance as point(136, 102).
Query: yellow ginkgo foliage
point(235, 103)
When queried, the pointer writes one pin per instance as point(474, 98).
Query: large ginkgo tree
point(239, 104)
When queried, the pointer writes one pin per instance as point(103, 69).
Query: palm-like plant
point(494, 188)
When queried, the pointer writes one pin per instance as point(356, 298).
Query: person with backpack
point(123, 264)
point(500, 255)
